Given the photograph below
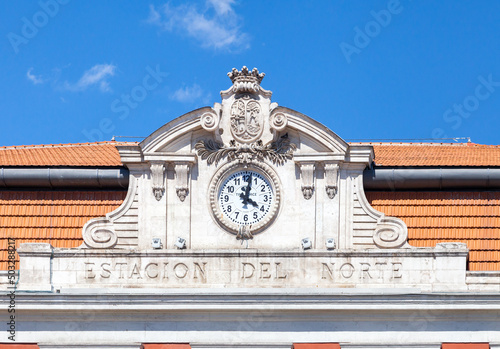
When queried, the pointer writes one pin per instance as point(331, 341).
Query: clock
point(245, 196)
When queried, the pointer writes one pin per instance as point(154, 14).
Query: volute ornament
point(278, 121)
point(210, 121)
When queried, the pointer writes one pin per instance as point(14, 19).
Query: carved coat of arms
point(246, 120)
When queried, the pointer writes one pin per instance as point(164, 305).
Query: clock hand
point(243, 197)
point(246, 196)
point(249, 187)
point(253, 203)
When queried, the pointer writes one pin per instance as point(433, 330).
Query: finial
point(245, 80)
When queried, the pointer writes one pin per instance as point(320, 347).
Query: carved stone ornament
point(244, 233)
point(157, 173)
point(278, 121)
point(99, 234)
point(210, 121)
point(390, 232)
point(182, 180)
point(246, 119)
point(277, 152)
point(245, 80)
point(307, 175)
point(331, 174)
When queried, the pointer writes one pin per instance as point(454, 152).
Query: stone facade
point(175, 263)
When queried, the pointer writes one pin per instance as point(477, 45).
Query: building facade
point(251, 225)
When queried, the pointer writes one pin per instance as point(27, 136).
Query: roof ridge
point(425, 144)
point(61, 145)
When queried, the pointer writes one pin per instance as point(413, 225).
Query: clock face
point(246, 197)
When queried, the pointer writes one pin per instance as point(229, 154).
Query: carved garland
point(277, 152)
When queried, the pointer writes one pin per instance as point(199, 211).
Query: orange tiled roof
point(77, 154)
point(432, 217)
point(435, 154)
point(386, 154)
point(50, 216)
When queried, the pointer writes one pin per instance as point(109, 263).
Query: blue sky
point(80, 71)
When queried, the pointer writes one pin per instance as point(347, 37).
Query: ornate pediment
point(244, 167)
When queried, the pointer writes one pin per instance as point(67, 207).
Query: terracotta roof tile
point(425, 154)
point(433, 217)
point(50, 216)
point(78, 154)
point(386, 154)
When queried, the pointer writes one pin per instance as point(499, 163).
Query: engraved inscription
point(248, 272)
point(362, 271)
point(263, 270)
point(122, 272)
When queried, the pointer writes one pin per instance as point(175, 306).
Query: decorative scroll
point(278, 121)
point(209, 121)
point(99, 234)
point(390, 233)
point(277, 152)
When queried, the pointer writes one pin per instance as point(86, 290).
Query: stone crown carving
point(245, 80)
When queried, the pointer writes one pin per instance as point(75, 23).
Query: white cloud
point(219, 30)
point(222, 7)
point(97, 75)
point(189, 94)
point(34, 78)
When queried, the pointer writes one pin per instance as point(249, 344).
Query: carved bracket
point(157, 172)
point(307, 175)
point(331, 175)
point(182, 179)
